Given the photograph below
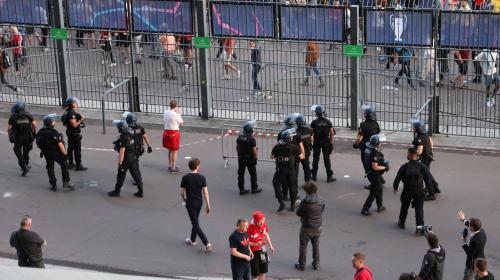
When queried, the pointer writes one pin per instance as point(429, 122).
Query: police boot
point(139, 194)
point(430, 197)
point(281, 207)
point(292, 205)
point(313, 177)
point(66, 185)
point(114, 194)
point(53, 188)
point(80, 167)
point(25, 171)
point(330, 179)
point(71, 165)
point(401, 224)
point(381, 209)
point(366, 212)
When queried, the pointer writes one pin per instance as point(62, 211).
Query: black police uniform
point(48, 140)
point(304, 137)
point(74, 137)
point(321, 132)
point(138, 133)
point(284, 188)
point(246, 160)
point(426, 158)
point(22, 137)
point(367, 129)
point(130, 162)
point(375, 178)
point(285, 156)
point(413, 174)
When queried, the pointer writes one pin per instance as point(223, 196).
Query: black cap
point(412, 151)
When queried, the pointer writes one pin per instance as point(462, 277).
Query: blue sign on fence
point(33, 12)
point(470, 30)
point(395, 27)
point(242, 20)
point(97, 14)
point(317, 23)
point(162, 16)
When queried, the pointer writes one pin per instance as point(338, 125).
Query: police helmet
point(320, 110)
point(374, 141)
point(19, 107)
point(71, 100)
point(131, 119)
point(287, 135)
point(248, 127)
point(121, 125)
point(369, 112)
point(48, 120)
point(300, 121)
point(289, 121)
point(418, 126)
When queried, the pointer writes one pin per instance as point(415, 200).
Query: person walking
point(227, 56)
point(475, 248)
point(16, 40)
point(105, 43)
point(193, 187)
point(171, 135)
point(28, 245)
point(4, 65)
point(363, 272)
point(488, 64)
point(404, 56)
point(74, 123)
point(256, 59)
point(169, 46)
point(259, 241)
point(241, 255)
point(312, 58)
point(22, 131)
point(376, 165)
point(310, 212)
point(51, 145)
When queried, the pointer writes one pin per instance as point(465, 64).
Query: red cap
point(258, 216)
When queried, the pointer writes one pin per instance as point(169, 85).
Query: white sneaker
point(102, 61)
point(208, 248)
point(46, 49)
point(239, 73)
point(190, 243)
point(226, 77)
point(127, 62)
point(113, 64)
point(20, 91)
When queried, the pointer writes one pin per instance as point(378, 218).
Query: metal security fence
point(266, 59)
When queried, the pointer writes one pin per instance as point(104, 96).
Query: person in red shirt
point(17, 41)
point(258, 235)
point(462, 58)
point(363, 272)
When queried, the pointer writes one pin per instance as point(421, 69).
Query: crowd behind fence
point(267, 59)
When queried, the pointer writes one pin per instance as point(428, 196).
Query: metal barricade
point(265, 138)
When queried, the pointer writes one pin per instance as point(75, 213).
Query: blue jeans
point(315, 69)
point(241, 271)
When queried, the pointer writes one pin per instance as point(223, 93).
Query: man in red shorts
point(171, 136)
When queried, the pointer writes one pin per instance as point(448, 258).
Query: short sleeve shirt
point(193, 183)
point(256, 234)
point(171, 120)
point(71, 114)
point(239, 241)
point(245, 145)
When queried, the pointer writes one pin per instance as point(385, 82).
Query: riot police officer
point(285, 153)
point(413, 174)
point(304, 137)
point(366, 129)
point(377, 165)
point(74, 122)
point(422, 142)
point(128, 159)
point(246, 148)
point(140, 135)
point(22, 131)
point(323, 133)
point(51, 144)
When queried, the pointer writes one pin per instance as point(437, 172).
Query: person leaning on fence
point(462, 59)
point(105, 43)
point(488, 60)
point(227, 56)
point(171, 136)
point(169, 47)
point(404, 56)
point(28, 245)
point(312, 58)
point(17, 43)
point(4, 65)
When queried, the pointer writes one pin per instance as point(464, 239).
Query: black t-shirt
point(304, 136)
point(28, 245)
point(285, 155)
point(423, 139)
point(127, 141)
point(371, 156)
point(71, 114)
point(239, 241)
point(487, 277)
point(22, 126)
point(194, 184)
point(245, 145)
point(321, 130)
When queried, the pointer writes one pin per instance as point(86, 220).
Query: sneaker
point(477, 80)
point(53, 188)
point(315, 266)
point(25, 171)
point(430, 198)
point(20, 91)
point(102, 62)
point(412, 87)
point(226, 77)
point(127, 62)
point(313, 177)
point(419, 232)
point(331, 179)
point(138, 194)
point(281, 207)
point(208, 248)
point(239, 74)
point(381, 209)
point(66, 185)
point(401, 225)
point(243, 192)
point(114, 194)
point(175, 170)
point(46, 49)
point(299, 267)
point(189, 242)
point(368, 187)
point(80, 167)
point(366, 212)
point(71, 166)
point(256, 191)
point(113, 64)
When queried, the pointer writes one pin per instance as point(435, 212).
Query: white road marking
point(345, 195)
point(347, 176)
point(7, 194)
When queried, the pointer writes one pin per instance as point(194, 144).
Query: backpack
point(138, 140)
point(23, 127)
point(6, 60)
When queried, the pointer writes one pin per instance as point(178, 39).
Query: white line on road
point(345, 195)
point(7, 194)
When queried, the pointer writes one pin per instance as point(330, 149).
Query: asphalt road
point(148, 234)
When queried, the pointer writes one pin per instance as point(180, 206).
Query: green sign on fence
point(202, 42)
point(353, 50)
point(59, 33)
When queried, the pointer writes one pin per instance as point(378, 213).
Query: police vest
point(47, 140)
point(129, 143)
point(369, 128)
point(22, 128)
point(243, 146)
point(138, 136)
point(423, 139)
point(322, 130)
point(284, 156)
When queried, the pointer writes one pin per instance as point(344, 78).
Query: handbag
point(264, 256)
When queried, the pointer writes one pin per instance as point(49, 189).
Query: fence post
point(62, 52)
point(202, 27)
point(354, 40)
point(434, 115)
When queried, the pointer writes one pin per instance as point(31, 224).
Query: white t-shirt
point(172, 120)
